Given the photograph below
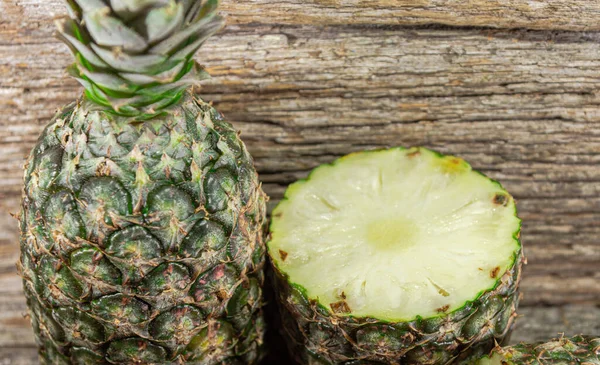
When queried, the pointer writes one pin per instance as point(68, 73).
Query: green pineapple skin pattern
point(577, 350)
point(317, 336)
point(142, 242)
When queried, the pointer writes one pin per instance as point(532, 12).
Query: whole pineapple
point(142, 213)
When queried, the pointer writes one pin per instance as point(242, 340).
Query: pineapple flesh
point(142, 214)
point(395, 256)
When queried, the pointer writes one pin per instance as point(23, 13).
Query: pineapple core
point(395, 234)
point(392, 233)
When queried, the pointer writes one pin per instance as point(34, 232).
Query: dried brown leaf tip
point(494, 272)
point(443, 309)
point(283, 255)
point(102, 169)
point(340, 307)
point(500, 199)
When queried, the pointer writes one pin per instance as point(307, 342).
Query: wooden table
point(513, 88)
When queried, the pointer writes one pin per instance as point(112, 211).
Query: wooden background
point(514, 88)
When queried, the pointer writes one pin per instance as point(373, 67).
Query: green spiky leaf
point(132, 54)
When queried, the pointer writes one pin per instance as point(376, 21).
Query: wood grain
point(309, 81)
point(537, 14)
point(520, 106)
point(578, 15)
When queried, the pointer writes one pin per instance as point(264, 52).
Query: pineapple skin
point(576, 350)
point(317, 336)
point(141, 242)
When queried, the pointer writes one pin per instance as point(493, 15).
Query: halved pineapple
point(396, 254)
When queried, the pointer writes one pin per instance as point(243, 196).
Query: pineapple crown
point(135, 57)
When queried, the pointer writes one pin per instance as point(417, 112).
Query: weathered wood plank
point(542, 323)
point(18, 356)
point(520, 106)
point(549, 14)
point(14, 324)
point(308, 81)
point(553, 14)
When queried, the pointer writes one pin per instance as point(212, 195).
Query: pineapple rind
point(316, 335)
point(142, 242)
point(580, 349)
point(311, 329)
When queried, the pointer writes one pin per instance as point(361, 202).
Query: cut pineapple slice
point(395, 234)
